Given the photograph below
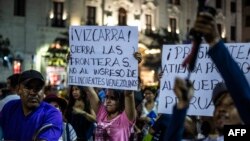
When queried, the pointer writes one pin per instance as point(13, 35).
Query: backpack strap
point(67, 131)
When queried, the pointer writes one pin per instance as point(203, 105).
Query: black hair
point(153, 89)
point(14, 80)
point(71, 101)
point(119, 96)
point(4, 92)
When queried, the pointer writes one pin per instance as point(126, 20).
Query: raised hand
point(184, 91)
point(206, 24)
point(138, 56)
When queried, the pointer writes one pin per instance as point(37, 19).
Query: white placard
point(102, 56)
point(204, 77)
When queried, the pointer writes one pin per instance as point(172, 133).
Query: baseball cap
point(31, 75)
point(218, 92)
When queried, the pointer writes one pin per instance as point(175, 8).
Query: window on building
point(19, 7)
point(57, 20)
point(122, 17)
point(233, 33)
point(233, 7)
point(173, 24)
point(219, 26)
point(175, 2)
point(218, 4)
point(247, 21)
point(148, 24)
point(247, 2)
point(91, 15)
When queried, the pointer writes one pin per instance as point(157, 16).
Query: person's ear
point(18, 89)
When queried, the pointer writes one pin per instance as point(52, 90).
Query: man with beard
point(29, 118)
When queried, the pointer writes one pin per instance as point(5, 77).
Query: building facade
point(245, 21)
point(35, 26)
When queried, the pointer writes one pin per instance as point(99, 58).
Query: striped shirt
point(71, 134)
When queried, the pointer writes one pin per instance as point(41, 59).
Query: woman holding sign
point(116, 116)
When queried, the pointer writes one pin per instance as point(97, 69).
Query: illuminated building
point(34, 26)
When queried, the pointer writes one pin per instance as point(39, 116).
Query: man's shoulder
point(48, 109)
point(13, 103)
point(12, 108)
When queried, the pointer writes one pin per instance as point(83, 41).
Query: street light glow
point(152, 51)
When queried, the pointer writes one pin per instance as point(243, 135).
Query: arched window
point(57, 20)
point(122, 17)
point(91, 15)
point(173, 24)
point(148, 24)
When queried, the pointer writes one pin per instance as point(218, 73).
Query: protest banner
point(204, 77)
point(102, 56)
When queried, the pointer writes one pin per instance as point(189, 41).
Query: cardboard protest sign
point(204, 77)
point(102, 56)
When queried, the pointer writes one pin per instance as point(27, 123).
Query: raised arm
point(93, 98)
point(129, 96)
point(230, 71)
point(130, 105)
point(89, 116)
point(184, 92)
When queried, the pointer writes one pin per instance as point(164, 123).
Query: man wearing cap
point(29, 118)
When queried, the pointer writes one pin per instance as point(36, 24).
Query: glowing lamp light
point(153, 51)
point(64, 16)
point(16, 67)
point(177, 31)
point(5, 58)
point(51, 15)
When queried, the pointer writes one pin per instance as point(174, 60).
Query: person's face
point(190, 128)
point(149, 95)
point(55, 104)
point(111, 102)
point(76, 92)
point(226, 113)
point(31, 93)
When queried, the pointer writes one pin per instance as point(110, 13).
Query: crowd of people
point(32, 111)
